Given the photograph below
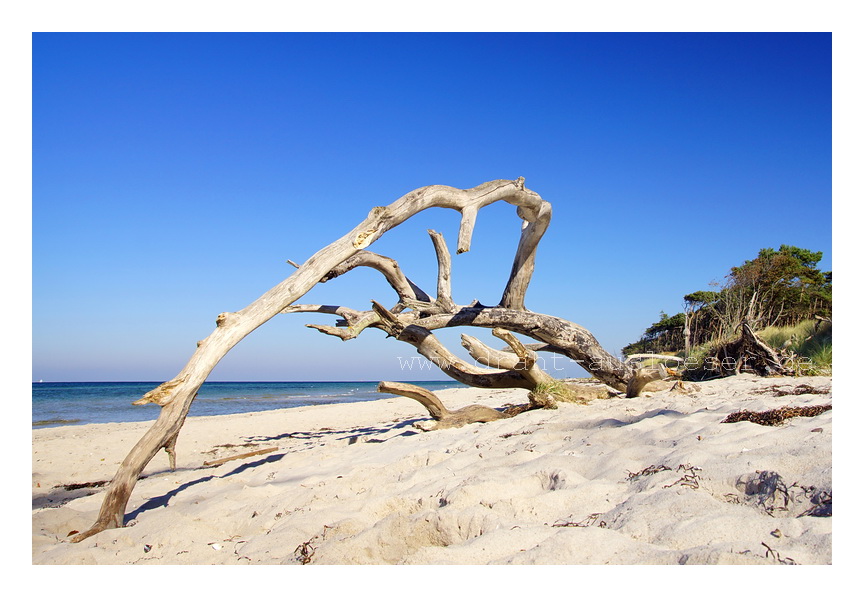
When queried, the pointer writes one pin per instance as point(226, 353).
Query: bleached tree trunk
point(176, 395)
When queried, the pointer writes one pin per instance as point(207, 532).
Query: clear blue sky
point(173, 175)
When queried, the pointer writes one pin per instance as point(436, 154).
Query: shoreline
point(81, 403)
point(356, 483)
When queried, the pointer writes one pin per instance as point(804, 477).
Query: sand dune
point(652, 480)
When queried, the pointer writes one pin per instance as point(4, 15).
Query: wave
point(46, 422)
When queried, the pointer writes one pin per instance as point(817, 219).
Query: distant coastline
point(59, 403)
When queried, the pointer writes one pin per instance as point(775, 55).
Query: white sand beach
point(657, 479)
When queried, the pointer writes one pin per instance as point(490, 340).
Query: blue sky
point(173, 175)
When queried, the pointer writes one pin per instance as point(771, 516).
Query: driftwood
point(642, 377)
point(747, 353)
point(444, 418)
point(413, 319)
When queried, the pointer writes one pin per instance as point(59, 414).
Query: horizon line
point(243, 381)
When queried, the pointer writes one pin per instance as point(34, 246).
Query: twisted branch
point(176, 395)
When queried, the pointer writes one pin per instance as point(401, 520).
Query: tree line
point(778, 288)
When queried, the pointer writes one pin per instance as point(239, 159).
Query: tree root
point(749, 353)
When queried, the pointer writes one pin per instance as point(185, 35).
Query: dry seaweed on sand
point(586, 522)
point(822, 503)
point(87, 485)
point(776, 416)
point(690, 479)
point(773, 553)
point(648, 470)
point(304, 552)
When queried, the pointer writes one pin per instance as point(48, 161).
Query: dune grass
point(810, 345)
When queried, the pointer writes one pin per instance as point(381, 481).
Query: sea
point(79, 403)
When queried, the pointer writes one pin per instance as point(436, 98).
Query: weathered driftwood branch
point(526, 358)
point(575, 342)
point(534, 227)
point(545, 390)
point(748, 352)
point(571, 340)
point(430, 347)
point(169, 447)
point(444, 299)
point(487, 356)
point(540, 347)
point(405, 288)
point(444, 418)
point(176, 395)
point(352, 323)
point(642, 377)
point(758, 355)
point(524, 363)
